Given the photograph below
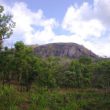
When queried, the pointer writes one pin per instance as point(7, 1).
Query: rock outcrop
point(71, 50)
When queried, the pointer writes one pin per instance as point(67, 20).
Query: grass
point(54, 99)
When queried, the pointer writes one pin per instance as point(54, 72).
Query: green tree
point(6, 26)
point(101, 76)
point(82, 73)
point(85, 60)
point(6, 65)
point(67, 79)
point(47, 72)
point(23, 64)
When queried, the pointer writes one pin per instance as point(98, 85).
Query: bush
point(9, 98)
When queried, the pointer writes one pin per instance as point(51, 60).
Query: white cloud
point(77, 21)
point(102, 10)
point(90, 21)
point(28, 24)
point(28, 21)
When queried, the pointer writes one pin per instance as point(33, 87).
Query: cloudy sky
point(86, 22)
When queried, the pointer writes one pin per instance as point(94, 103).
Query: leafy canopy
point(6, 25)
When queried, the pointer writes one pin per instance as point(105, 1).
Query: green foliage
point(46, 99)
point(23, 67)
point(67, 79)
point(9, 98)
point(79, 100)
point(101, 77)
point(24, 60)
point(85, 60)
point(47, 73)
point(18, 65)
point(6, 25)
point(77, 76)
point(6, 65)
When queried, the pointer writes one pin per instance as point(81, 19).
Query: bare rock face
point(70, 50)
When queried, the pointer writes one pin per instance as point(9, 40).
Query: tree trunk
point(1, 41)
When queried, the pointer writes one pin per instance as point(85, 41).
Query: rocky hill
point(71, 50)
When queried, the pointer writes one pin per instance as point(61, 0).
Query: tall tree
point(24, 62)
point(6, 26)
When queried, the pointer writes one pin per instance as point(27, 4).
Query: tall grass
point(45, 99)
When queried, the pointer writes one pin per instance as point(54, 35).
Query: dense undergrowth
point(28, 82)
point(54, 99)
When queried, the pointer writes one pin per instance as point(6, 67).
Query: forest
point(29, 82)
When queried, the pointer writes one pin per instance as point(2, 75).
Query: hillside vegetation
point(34, 83)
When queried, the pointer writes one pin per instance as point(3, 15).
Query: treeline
point(19, 66)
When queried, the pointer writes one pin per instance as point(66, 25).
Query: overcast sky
point(86, 22)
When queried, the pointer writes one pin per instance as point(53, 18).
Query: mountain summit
point(70, 50)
